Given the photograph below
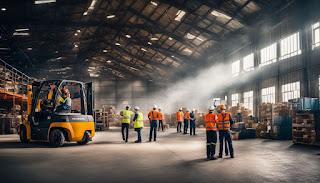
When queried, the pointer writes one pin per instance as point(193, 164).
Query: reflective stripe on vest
point(224, 121)
point(210, 122)
point(138, 123)
point(126, 116)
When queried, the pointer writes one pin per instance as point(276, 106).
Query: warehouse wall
point(121, 93)
point(304, 68)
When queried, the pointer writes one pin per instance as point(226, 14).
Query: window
point(268, 54)
point(234, 99)
point(315, 35)
point(268, 95)
point(235, 68)
point(290, 91)
point(290, 46)
point(248, 100)
point(319, 85)
point(248, 62)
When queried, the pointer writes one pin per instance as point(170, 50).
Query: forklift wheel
point(85, 139)
point(23, 135)
point(57, 138)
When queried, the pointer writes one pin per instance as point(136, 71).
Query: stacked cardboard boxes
point(305, 128)
point(274, 121)
point(245, 113)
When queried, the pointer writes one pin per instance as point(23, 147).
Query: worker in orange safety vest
point(179, 116)
point(154, 118)
point(224, 123)
point(210, 120)
point(161, 118)
point(186, 121)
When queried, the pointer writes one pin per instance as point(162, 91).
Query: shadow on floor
point(35, 144)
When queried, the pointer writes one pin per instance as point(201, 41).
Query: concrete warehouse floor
point(175, 158)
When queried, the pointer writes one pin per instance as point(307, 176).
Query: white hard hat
point(193, 109)
point(211, 108)
point(155, 106)
point(136, 108)
point(180, 109)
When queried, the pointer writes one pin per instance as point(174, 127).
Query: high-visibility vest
point(179, 116)
point(161, 116)
point(138, 122)
point(224, 121)
point(153, 115)
point(187, 115)
point(210, 120)
point(50, 94)
point(126, 116)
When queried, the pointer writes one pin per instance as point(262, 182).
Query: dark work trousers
point(226, 149)
point(125, 127)
point(211, 143)
point(153, 129)
point(225, 136)
point(179, 126)
point(192, 127)
point(185, 126)
point(160, 125)
point(138, 130)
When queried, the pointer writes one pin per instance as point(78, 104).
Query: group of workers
point(155, 117)
point(186, 117)
point(217, 123)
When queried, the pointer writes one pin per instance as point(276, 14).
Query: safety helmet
point(193, 110)
point(155, 106)
point(211, 108)
point(127, 106)
point(136, 108)
point(222, 107)
point(180, 109)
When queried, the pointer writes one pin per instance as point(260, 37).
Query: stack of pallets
point(305, 128)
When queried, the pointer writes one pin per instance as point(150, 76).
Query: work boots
point(213, 152)
point(208, 152)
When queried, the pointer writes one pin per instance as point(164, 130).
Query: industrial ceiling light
point(76, 46)
point(154, 3)
point(85, 13)
point(78, 30)
point(117, 44)
point(105, 51)
point(111, 16)
point(21, 30)
point(143, 49)
point(190, 36)
point(154, 39)
point(128, 36)
point(21, 34)
point(3, 9)
point(170, 38)
point(29, 49)
point(149, 43)
point(44, 1)
point(172, 56)
point(93, 2)
point(221, 15)
point(76, 34)
point(180, 14)
point(109, 61)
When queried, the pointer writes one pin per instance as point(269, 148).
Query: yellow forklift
point(50, 120)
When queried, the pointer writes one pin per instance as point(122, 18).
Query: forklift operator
point(66, 102)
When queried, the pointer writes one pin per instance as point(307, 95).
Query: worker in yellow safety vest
point(138, 123)
point(125, 123)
